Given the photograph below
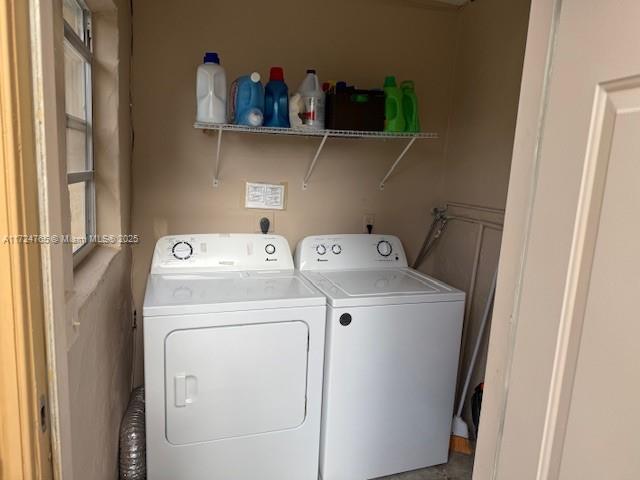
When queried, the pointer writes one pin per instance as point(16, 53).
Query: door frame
point(536, 73)
point(25, 444)
point(47, 64)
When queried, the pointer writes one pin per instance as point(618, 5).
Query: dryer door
point(231, 381)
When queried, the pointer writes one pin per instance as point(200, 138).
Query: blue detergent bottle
point(276, 100)
point(247, 100)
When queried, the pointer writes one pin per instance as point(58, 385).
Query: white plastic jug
point(211, 91)
point(312, 113)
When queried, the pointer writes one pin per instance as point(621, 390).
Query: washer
point(233, 350)
point(391, 357)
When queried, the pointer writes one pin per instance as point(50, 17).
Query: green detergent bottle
point(393, 116)
point(410, 106)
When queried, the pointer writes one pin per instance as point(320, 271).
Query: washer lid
point(182, 294)
point(380, 287)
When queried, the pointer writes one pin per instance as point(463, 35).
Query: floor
point(459, 467)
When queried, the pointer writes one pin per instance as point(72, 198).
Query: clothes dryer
point(233, 350)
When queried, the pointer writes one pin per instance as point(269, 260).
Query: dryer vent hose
point(133, 454)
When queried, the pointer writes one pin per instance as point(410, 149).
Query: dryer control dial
point(336, 249)
point(384, 248)
point(321, 249)
point(182, 250)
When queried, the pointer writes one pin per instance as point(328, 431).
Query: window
point(79, 138)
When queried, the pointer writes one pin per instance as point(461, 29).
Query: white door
point(231, 381)
point(574, 379)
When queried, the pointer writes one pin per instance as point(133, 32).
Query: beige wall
point(487, 72)
point(487, 76)
point(467, 66)
point(99, 351)
point(360, 41)
point(111, 114)
point(100, 364)
point(516, 229)
point(88, 308)
point(173, 163)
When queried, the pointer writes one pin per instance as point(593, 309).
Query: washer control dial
point(336, 249)
point(321, 249)
point(384, 248)
point(270, 249)
point(182, 250)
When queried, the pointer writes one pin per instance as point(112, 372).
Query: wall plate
point(265, 196)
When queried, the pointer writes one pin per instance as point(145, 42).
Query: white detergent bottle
point(211, 91)
point(312, 113)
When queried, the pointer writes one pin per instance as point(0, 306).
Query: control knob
point(270, 249)
point(321, 249)
point(384, 248)
point(336, 249)
point(182, 250)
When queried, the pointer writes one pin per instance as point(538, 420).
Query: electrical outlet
point(255, 217)
point(368, 219)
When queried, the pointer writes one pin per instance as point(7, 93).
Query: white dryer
point(391, 357)
point(233, 350)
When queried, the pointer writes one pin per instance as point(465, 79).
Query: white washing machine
point(233, 350)
point(391, 357)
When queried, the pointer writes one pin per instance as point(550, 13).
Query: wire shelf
point(229, 127)
point(219, 128)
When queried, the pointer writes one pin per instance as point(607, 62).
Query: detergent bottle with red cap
point(276, 100)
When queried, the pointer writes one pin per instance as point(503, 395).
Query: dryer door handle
point(186, 388)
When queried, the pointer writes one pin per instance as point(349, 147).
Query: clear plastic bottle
point(313, 101)
point(211, 90)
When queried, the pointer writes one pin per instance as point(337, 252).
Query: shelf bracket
point(312, 165)
point(395, 164)
point(216, 172)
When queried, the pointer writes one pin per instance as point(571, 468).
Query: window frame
point(83, 47)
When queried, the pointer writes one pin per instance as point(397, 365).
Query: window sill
point(88, 277)
point(80, 255)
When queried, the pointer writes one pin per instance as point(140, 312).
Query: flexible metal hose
point(133, 455)
point(437, 228)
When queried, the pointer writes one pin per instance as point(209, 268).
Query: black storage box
point(355, 110)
